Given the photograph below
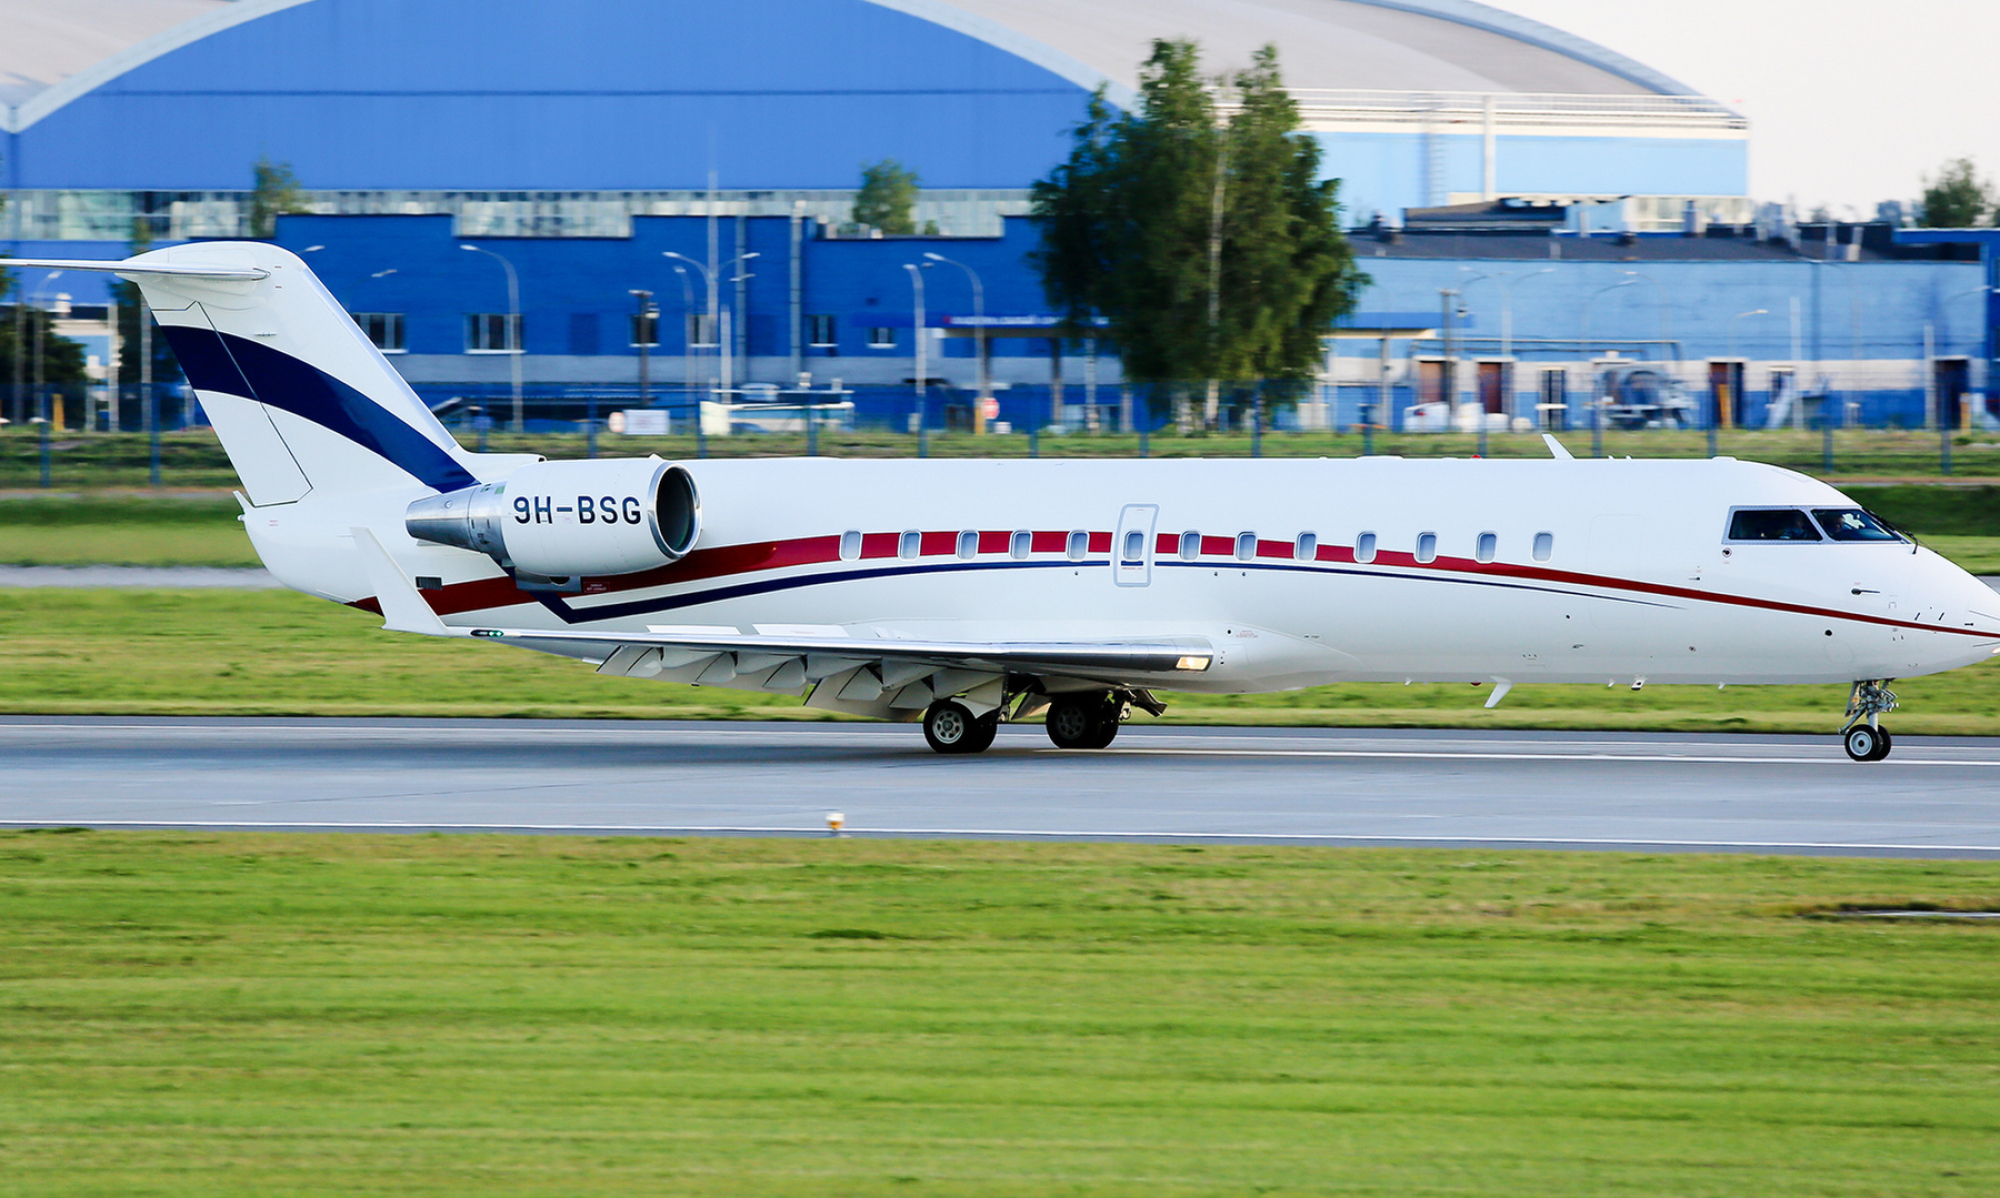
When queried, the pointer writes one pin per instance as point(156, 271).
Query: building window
point(645, 329)
point(819, 332)
point(492, 333)
point(880, 338)
point(383, 329)
point(701, 331)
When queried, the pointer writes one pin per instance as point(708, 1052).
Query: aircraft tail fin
point(302, 400)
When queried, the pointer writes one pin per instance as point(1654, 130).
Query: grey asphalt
point(1936, 796)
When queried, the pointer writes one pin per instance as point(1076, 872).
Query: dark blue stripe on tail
point(239, 366)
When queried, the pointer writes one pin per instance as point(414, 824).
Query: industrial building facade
point(584, 142)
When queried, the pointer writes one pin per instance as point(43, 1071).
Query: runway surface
point(1936, 796)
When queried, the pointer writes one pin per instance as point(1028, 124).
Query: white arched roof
point(58, 50)
point(1388, 45)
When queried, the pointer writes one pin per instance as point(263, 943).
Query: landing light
point(1192, 663)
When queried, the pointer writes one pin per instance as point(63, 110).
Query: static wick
point(835, 821)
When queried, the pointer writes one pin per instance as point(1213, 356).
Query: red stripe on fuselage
point(729, 560)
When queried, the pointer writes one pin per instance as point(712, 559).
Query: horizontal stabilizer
point(197, 270)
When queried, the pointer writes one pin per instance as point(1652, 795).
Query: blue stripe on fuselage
point(238, 366)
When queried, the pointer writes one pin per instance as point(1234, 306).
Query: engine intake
point(569, 519)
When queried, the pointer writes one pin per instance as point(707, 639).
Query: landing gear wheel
point(1083, 721)
point(1075, 722)
point(1108, 718)
point(950, 727)
point(1865, 742)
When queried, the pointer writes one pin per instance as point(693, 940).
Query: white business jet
point(971, 592)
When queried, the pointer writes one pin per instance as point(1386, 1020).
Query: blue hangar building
point(579, 145)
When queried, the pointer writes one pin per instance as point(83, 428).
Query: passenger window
point(1246, 546)
point(850, 545)
point(1079, 545)
point(1307, 547)
point(1489, 545)
point(1018, 547)
point(1771, 524)
point(1190, 546)
point(1545, 546)
point(968, 544)
point(1427, 547)
point(911, 544)
point(1364, 548)
point(1135, 547)
point(1853, 524)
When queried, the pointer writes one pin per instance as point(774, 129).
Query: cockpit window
point(1771, 524)
point(1853, 524)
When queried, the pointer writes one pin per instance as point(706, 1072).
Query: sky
point(1850, 101)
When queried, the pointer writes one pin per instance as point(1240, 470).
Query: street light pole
point(917, 291)
point(979, 338)
point(1503, 280)
point(711, 288)
point(41, 387)
point(514, 348)
point(1590, 364)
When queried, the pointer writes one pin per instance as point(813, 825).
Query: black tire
point(984, 730)
point(1076, 721)
point(1107, 728)
point(950, 727)
point(1865, 743)
point(1888, 742)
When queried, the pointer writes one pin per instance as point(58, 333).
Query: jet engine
point(564, 520)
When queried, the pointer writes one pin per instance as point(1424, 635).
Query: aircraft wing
point(882, 676)
point(1153, 655)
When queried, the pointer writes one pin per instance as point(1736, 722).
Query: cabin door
point(1132, 548)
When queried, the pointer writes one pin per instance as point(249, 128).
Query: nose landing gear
point(1863, 736)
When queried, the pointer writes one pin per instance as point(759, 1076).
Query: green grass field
point(213, 1015)
point(279, 653)
point(194, 458)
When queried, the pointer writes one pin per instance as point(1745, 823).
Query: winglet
point(403, 609)
point(1556, 449)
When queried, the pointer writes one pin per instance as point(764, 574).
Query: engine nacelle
point(564, 520)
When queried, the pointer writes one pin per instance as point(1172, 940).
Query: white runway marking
point(819, 830)
point(1449, 755)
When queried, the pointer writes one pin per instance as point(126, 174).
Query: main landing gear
point(950, 727)
point(1864, 738)
point(1086, 721)
point(1081, 720)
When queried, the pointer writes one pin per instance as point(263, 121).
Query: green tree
point(26, 332)
point(274, 191)
point(1957, 199)
point(887, 199)
point(1210, 247)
